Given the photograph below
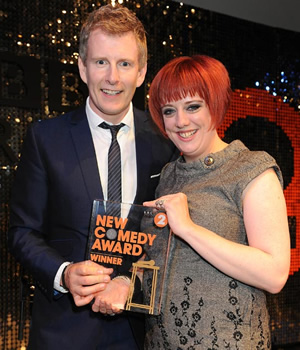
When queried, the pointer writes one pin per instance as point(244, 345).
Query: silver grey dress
point(204, 308)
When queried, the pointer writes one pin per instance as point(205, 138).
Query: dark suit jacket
point(56, 182)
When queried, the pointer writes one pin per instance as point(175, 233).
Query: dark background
point(39, 79)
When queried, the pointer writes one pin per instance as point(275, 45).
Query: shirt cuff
point(121, 277)
point(57, 279)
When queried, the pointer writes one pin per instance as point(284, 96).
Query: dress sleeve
point(248, 166)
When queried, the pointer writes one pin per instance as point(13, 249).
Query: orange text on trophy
point(112, 238)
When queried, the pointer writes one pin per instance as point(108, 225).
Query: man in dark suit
point(63, 168)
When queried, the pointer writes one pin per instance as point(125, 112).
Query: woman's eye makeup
point(194, 107)
point(191, 106)
point(167, 111)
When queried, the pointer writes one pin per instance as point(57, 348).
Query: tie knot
point(114, 129)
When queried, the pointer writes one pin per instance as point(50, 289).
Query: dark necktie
point(114, 188)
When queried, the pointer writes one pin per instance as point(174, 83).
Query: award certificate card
point(135, 241)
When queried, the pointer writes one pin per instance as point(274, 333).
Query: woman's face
point(187, 123)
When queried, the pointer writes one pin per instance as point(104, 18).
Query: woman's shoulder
point(245, 166)
point(247, 160)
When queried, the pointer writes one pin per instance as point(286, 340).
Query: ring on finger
point(160, 203)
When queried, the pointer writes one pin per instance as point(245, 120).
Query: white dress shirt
point(126, 138)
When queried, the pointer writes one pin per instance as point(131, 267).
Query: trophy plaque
point(135, 241)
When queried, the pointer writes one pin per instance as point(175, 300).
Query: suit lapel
point(84, 146)
point(143, 150)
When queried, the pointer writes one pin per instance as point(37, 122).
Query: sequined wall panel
point(39, 79)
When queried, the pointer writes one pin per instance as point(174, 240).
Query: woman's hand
point(176, 207)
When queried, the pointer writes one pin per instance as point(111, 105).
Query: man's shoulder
point(144, 122)
point(61, 120)
point(148, 136)
point(138, 113)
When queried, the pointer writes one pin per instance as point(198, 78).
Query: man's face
point(112, 73)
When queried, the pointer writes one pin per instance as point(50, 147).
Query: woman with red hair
point(227, 211)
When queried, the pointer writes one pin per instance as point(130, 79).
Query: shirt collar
point(94, 119)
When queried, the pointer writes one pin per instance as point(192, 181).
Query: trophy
point(135, 241)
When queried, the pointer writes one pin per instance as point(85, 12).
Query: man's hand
point(85, 279)
point(112, 300)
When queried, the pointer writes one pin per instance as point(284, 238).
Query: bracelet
point(63, 281)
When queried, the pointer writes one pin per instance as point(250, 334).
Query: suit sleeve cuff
point(57, 279)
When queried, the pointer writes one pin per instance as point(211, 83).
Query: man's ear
point(82, 69)
point(141, 76)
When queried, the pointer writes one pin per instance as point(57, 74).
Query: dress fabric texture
point(204, 308)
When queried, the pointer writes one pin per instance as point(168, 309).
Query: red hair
point(196, 75)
